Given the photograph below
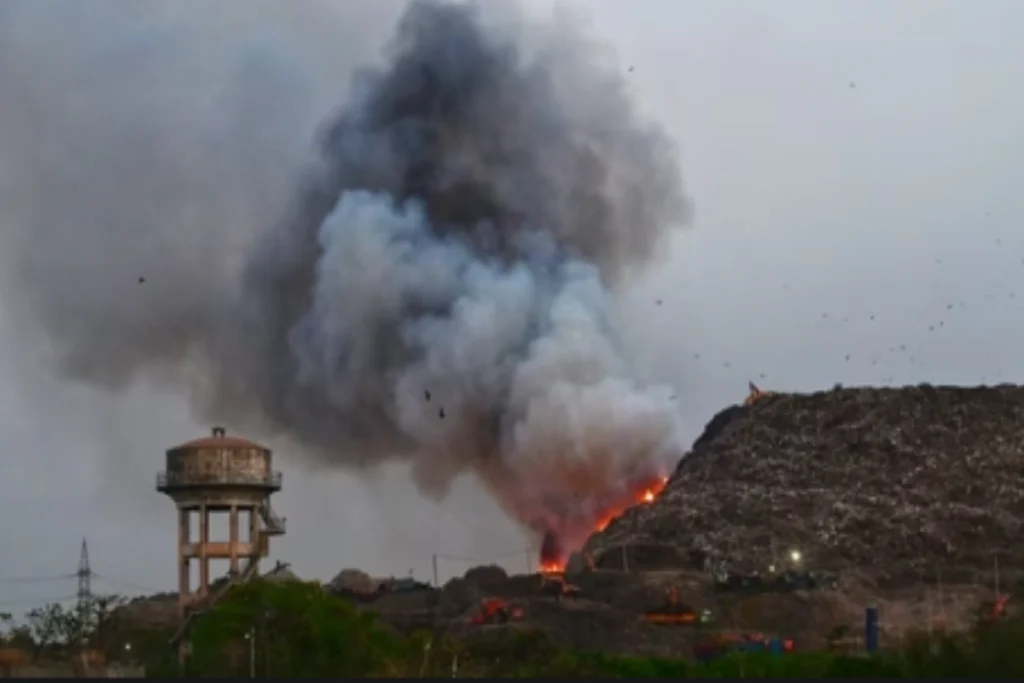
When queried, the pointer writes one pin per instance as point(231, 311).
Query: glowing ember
point(553, 555)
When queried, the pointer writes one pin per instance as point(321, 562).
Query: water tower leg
point(233, 524)
point(184, 533)
point(204, 542)
point(254, 532)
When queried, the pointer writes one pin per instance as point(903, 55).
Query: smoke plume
point(436, 287)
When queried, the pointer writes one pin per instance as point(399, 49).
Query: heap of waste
point(893, 485)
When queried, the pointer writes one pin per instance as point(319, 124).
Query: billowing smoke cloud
point(437, 290)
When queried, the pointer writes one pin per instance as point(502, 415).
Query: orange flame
point(644, 496)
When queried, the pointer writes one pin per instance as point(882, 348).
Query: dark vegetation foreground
point(297, 629)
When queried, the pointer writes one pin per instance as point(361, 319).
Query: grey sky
point(848, 161)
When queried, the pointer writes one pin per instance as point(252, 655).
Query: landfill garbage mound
point(890, 485)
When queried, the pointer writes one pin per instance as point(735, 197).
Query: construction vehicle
point(672, 612)
point(495, 611)
point(756, 394)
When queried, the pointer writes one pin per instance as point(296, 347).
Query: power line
point(84, 575)
point(123, 582)
point(37, 579)
point(38, 601)
point(68, 577)
point(485, 558)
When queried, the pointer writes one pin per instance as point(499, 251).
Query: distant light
point(795, 555)
point(128, 647)
point(771, 568)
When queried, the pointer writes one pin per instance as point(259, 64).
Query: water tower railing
point(166, 480)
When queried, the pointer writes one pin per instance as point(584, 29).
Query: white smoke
point(436, 291)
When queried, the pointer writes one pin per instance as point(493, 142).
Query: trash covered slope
point(892, 484)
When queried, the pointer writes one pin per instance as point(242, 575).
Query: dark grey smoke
point(437, 290)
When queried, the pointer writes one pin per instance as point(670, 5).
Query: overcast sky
point(857, 179)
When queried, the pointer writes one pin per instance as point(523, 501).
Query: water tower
point(220, 475)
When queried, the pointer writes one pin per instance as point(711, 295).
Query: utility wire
point(63, 598)
point(36, 579)
point(37, 601)
point(500, 556)
point(129, 584)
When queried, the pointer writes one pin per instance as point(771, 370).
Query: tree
point(299, 631)
point(55, 629)
point(101, 609)
point(70, 626)
point(17, 637)
point(45, 625)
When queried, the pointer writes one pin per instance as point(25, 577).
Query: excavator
point(495, 611)
point(756, 394)
point(673, 612)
